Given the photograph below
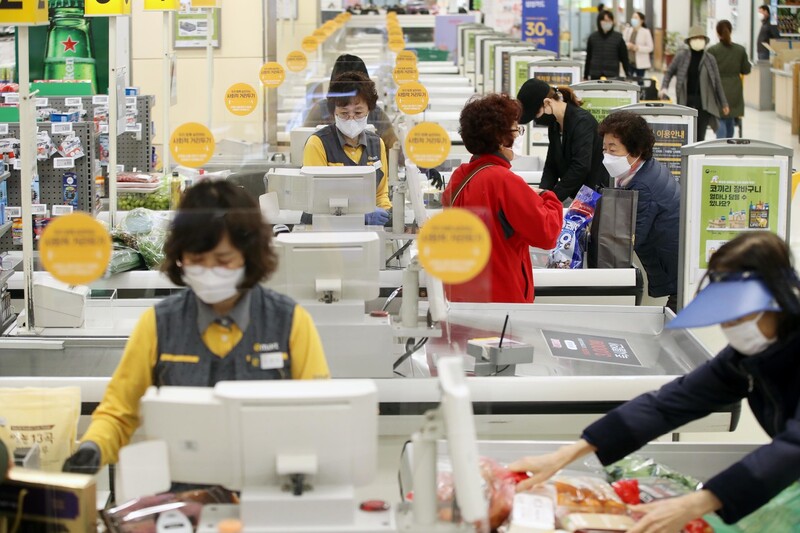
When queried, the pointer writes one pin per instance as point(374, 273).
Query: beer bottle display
point(68, 55)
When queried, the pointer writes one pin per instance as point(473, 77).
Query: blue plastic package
point(572, 242)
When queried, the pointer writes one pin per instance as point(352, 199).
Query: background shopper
point(639, 41)
point(733, 63)
point(606, 50)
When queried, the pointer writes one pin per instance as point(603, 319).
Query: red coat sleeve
point(537, 219)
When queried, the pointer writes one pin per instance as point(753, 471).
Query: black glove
point(436, 178)
point(86, 460)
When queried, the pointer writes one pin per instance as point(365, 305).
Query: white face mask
point(607, 26)
point(697, 44)
point(213, 285)
point(635, 23)
point(746, 338)
point(616, 165)
point(352, 127)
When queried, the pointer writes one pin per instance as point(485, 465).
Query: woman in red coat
point(516, 215)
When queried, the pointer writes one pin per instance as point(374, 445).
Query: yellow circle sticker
point(296, 61)
point(75, 249)
point(406, 57)
point(309, 44)
point(454, 246)
point(396, 44)
point(272, 75)
point(320, 34)
point(412, 98)
point(427, 145)
point(192, 144)
point(241, 99)
point(394, 31)
point(405, 74)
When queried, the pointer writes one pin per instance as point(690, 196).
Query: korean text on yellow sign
point(107, 8)
point(23, 12)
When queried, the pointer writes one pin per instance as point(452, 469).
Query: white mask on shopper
point(635, 23)
point(698, 45)
point(352, 127)
point(213, 285)
point(607, 26)
point(746, 338)
point(617, 165)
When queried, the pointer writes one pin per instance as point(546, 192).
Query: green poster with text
point(522, 74)
point(601, 106)
point(735, 200)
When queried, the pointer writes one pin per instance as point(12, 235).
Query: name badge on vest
point(377, 164)
point(272, 360)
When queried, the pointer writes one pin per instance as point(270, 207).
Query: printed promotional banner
point(540, 23)
point(591, 348)
point(600, 106)
point(736, 199)
point(563, 76)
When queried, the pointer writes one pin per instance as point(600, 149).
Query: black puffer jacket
point(604, 53)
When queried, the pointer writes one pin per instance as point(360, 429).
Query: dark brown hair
point(349, 86)
point(632, 130)
point(562, 93)
point(641, 16)
point(767, 255)
point(210, 210)
point(724, 29)
point(486, 122)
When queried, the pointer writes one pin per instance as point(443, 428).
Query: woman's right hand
point(543, 467)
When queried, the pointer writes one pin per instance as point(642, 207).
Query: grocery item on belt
point(572, 242)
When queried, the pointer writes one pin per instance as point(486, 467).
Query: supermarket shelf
point(788, 7)
point(4, 228)
point(790, 34)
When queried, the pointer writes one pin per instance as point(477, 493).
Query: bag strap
point(465, 182)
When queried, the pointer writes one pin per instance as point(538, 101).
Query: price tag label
point(3, 129)
point(63, 162)
point(133, 128)
point(61, 210)
point(73, 101)
point(11, 98)
point(130, 101)
point(17, 164)
point(100, 99)
point(120, 169)
point(13, 212)
point(39, 210)
point(104, 129)
point(61, 128)
point(42, 102)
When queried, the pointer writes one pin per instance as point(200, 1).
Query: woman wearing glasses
point(753, 292)
point(351, 97)
point(515, 215)
point(575, 154)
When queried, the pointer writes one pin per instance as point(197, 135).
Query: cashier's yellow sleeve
point(382, 192)
point(314, 153)
point(117, 416)
point(308, 358)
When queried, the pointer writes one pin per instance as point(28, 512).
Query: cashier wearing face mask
point(351, 97)
point(752, 290)
point(515, 215)
point(226, 326)
point(575, 152)
point(628, 146)
point(698, 83)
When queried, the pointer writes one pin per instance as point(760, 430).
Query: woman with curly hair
point(516, 216)
point(628, 146)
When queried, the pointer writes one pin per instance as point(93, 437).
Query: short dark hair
point(764, 8)
point(349, 86)
point(632, 130)
point(768, 255)
point(724, 29)
point(486, 121)
point(210, 210)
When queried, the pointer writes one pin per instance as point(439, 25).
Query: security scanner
point(601, 96)
point(674, 126)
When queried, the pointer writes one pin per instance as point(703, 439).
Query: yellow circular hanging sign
point(427, 145)
point(396, 44)
point(75, 249)
point(296, 61)
point(320, 34)
point(412, 98)
point(309, 44)
point(406, 57)
point(241, 99)
point(272, 75)
point(192, 144)
point(454, 246)
point(405, 74)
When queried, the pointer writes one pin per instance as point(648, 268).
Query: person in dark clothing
point(628, 146)
point(605, 50)
point(753, 291)
point(768, 31)
point(575, 155)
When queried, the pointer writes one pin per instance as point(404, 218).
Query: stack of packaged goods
point(141, 189)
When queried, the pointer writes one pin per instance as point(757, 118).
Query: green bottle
point(68, 55)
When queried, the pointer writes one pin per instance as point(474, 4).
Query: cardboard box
point(66, 500)
point(783, 51)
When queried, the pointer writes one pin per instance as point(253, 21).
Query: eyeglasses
point(519, 129)
point(348, 116)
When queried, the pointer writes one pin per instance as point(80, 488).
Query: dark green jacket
point(733, 63)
